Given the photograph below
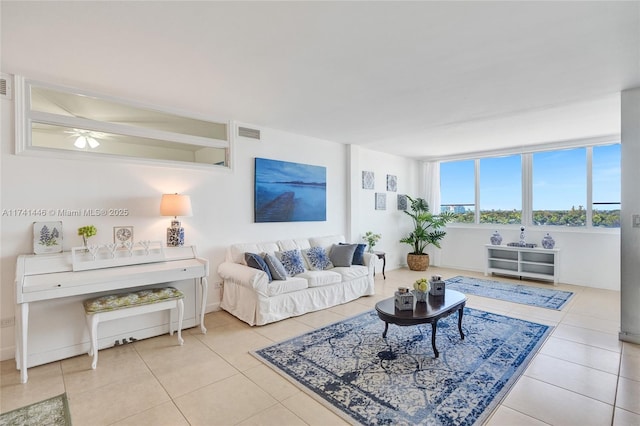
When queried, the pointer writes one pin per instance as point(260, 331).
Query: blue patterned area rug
point(366, 379)
point(517, 293)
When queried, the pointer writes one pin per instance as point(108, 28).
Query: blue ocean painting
point(289, 192)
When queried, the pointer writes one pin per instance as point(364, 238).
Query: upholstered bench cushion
point(127, 300)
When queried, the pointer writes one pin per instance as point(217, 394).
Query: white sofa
point(248, 294)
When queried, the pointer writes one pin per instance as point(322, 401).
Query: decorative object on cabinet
point(47, 237)
point(368, 180)
point(107, 255)
point(496, 238)
point(175, 205)
point(87, 232)
point(122, 234)
point(381, 201)
point(523, 243)
point(278, 183)
point(548, 242)
point(426, 230)
point(402, 202)
point(392, 183)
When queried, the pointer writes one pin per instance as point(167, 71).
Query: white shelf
point(537, 263)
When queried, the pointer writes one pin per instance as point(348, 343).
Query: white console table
point(50, 283)
point(537, 263)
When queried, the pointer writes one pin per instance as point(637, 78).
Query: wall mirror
point(55, 119)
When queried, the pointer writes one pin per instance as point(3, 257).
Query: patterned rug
point(53, 411)
point(366, 379)
point(525, 294)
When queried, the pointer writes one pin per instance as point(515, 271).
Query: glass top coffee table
point(431, 311)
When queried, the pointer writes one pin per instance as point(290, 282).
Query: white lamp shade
point(175, 205)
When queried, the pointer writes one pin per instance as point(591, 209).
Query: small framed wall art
point(402, 202)
point(47, 237)
point(381, 201)
point(392, 183)
point(368, 180)
point(122, 234)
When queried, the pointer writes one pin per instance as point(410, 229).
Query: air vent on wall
point(249, 133)
point(6, 86)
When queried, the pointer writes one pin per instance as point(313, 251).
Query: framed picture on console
point(47, 237)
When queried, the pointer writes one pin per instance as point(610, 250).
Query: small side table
point(381, 255)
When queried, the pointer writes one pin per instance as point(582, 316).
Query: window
point(501, 190)
point(457, 189)
point(559, 187)
point(606, 180)
point(573, 187)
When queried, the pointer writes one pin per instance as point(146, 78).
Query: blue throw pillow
point(292, 261)
point(255, 261)
point(358, 258)
point(317, 259)
point(275, 267)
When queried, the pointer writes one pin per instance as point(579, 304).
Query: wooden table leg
point(434, 326)
point(386, 327)
point(460, 322)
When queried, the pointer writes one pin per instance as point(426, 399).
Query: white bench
point(123, 305)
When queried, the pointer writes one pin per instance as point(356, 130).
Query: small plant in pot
point(426, 230)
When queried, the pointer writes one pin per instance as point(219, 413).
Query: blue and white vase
point(548, 242)
point(496, 239)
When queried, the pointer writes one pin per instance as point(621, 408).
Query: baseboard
point(212, 307)
point(7, 353)
point(629, 337)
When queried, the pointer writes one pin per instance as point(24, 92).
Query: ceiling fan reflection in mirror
point(84, 138)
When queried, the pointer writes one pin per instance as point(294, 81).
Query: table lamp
point(175, 205)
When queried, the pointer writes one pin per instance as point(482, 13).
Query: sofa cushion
point(255, 261)
point(286, 245)
point(275, 267)
point(358, 255)
point(326, 242)
point(236, 252)
point(342, 255)
point(317, 259)
point(287, 286)
point(351, 273)
point(292, 261)
point(320, 278)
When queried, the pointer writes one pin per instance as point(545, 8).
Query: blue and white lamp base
point(175, 234)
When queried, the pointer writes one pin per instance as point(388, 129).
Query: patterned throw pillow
point(342, 255)
point(255, 261)
point(292, 261)
point(358, 255)
point(275, 267)
point(317, 259)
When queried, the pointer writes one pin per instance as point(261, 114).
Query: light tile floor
point(582, 375)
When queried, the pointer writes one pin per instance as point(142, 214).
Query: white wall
point(589, 259)
point(391, 223)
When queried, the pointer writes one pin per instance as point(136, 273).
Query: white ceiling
point(419, 79)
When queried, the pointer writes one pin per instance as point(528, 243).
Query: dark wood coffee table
point(436, 307)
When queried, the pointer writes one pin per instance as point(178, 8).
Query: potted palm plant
point(426, 230)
